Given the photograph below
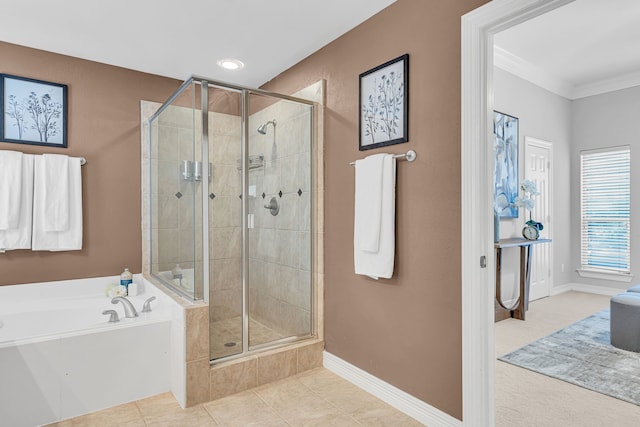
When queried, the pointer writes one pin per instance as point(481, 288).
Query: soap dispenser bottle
point(126, 278)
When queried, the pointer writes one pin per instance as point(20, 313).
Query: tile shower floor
point(313, 398)
point(226, 336)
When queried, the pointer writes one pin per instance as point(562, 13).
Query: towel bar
point(409, 156)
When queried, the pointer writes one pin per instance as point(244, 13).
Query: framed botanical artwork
point(505, 172)
point(33, 111)
point(384, 104)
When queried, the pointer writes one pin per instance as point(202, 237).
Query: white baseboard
point(561, 289)
point(402, 401)
point(590, 289)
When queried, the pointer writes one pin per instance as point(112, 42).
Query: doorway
point(478, 266)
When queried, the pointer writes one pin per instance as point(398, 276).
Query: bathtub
point(60, 357)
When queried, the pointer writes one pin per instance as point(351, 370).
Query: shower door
point(259, 220)
point(279, 219)
point(224, 225)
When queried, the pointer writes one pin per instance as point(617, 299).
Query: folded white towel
point(65, 240)
point(56, 192)
point(20, 236)
point(10, 188)
point(379, 262)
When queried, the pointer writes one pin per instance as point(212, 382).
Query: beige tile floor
point(313, 398)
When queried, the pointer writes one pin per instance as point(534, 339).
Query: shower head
point(263, 128)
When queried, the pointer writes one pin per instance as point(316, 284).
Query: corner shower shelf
point(255, 162)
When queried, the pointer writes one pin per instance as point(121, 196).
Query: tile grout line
point(272, 408)
point(210, 415)
point(320, 397)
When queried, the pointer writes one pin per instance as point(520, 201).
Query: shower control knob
point(273, 206)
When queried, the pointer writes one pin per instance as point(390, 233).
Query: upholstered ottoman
point(625, 321)
point(635, 288)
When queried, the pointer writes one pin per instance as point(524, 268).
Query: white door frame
point(478, 269)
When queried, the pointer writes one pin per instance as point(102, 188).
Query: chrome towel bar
point(409, 156)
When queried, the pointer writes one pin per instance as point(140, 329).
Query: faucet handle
point(114, 315)
point(146, 307)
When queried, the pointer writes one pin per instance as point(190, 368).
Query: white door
point(538, 164)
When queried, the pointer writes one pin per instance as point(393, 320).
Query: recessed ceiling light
point(231, 64)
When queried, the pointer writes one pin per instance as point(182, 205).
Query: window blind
point(605, 209)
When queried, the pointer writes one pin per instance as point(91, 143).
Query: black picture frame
point(384, 104)
point(33, 111)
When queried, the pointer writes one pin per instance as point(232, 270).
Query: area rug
point(582, 354)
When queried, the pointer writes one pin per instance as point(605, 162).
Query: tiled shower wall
point(176, 141)
point(225, 216)
point(176, 204)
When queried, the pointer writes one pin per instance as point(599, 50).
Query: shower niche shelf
point(255, 162)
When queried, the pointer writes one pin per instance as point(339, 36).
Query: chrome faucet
point(129, 309)
point(146, 307)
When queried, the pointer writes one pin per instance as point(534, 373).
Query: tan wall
point(104, 127)
point(407, 330)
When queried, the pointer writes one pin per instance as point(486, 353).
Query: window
point(605, 210)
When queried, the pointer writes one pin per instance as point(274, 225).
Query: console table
point(519, 309)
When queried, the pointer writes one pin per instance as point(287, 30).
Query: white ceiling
point(581, 49)
point(180, 38)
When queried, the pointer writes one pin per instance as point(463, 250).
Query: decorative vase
point(496, 227)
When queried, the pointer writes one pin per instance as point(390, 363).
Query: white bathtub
point(60, 357)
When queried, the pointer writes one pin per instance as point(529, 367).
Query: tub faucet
point(129, 309)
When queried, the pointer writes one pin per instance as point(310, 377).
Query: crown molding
point(525, 70)
point(517, 66)
point(608, 85)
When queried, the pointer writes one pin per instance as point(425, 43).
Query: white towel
point(10, 188)
point(377, 262)
point(71, 238)
point(56, 192)
point(20, 236)
point(368, 202)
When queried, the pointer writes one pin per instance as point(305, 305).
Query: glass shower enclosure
point(231, 196)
